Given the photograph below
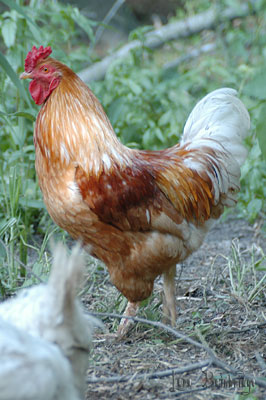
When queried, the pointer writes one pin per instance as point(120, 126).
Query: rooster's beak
point(25, 75)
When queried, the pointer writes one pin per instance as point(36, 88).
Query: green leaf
point(25, 115)
point(5, 225)
point(116, 109)
point(34, 28)
point(165, 118)
point(136, 89)
point(20, 114)
point(261, 130)
point(9, 28)
point(159, 135)
point(83, 23)
point(256, 87)
point(14, 78)
point(254, 207)
point(31, 203)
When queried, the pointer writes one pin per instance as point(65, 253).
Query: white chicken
point(45, 336)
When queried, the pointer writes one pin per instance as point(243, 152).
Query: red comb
point(34, 55)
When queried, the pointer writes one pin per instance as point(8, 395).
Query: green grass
point(245, 284)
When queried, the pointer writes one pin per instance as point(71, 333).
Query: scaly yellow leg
point(169, 304)
point(125, 324)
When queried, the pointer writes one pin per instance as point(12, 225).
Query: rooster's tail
point(222, 117)
point(219, 122)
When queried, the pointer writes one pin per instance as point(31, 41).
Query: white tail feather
point(222, 117)
point(218, 122)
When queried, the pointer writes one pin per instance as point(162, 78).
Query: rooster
point(140, 211)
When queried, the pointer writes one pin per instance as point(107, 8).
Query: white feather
point(64, 153)
point(219, 121)
point(220, 116)
point(106, 160)
point(45, 337)
point(32, 368)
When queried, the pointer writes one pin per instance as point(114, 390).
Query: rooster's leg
point(125, 324)
point(169, 304)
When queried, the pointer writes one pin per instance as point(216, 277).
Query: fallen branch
point(214, 360)
point(158, 37)
point(153, 375)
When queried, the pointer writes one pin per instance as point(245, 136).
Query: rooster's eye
point(45, 69)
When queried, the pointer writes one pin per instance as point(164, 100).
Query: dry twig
point(261, 362)
point(153, 375)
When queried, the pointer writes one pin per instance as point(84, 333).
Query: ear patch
point(34, 55)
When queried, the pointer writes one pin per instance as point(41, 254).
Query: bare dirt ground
point(218, 306)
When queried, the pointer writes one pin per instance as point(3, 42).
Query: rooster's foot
point(126, 323)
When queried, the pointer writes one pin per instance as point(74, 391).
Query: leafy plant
point(22, 208)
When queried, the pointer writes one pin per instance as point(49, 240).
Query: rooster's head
point(45, 76)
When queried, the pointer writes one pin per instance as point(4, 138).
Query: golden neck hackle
point(73, 127)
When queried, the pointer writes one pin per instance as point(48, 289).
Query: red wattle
point(40, 89)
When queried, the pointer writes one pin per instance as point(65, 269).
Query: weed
point(243, 275)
